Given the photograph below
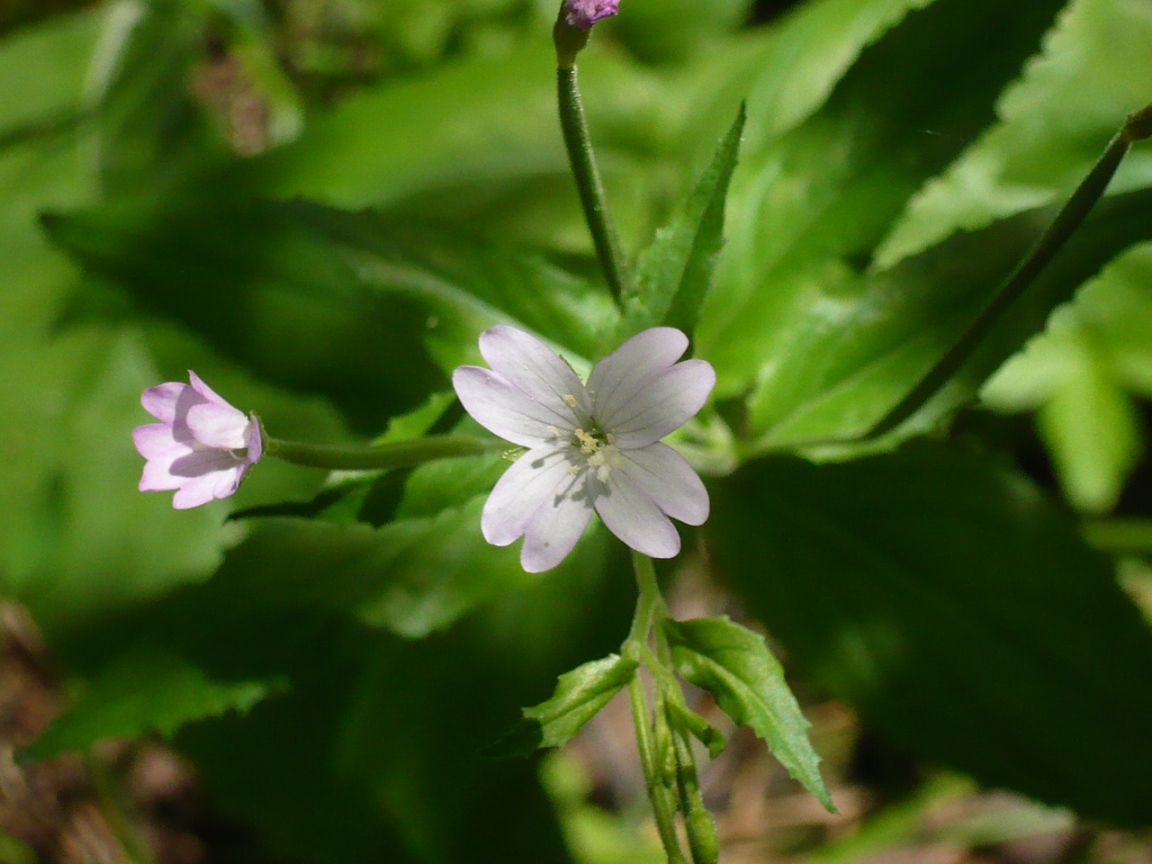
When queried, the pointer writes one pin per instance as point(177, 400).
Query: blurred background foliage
point(318, 205)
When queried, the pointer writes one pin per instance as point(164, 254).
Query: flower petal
point(207, 487)
point(155, 441)
point(635, 518)
point(662, 405)
point(664, 477)
point(205, 391)
point(158, 476)
point(631, 367)
point(536, 369)
point(218, 426)
point(160, 401)
point(508, 411)
point(556, 526)
point(537, 476)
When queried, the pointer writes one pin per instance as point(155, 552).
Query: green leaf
point(961, 613)
point(786, 71)
point(676, 272)
point(394, 768)
point(1081, 376)
point(579, 696)
point(734, 665)
point(467, 281)
point(149, 133)
point(268, 293)
point(412, 576)
point(146, 689)
point(45, 67)
point(807, 210)
point(1053, 123)
point(361, 308)
point(904, 319)
point(670, 30)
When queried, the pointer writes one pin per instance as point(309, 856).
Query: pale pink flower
point(594, 447)
point(202, 447)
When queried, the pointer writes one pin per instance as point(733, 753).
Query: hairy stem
point(579, 145)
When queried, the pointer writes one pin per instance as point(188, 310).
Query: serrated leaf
point(807, 210)
point(676, 272)
point(959, 610)
point(734, 665)
point(368, 309)
point(1081, 375)
point(1052, 125)
point(265, 290)
point(146, 689)
point(904, 319)
point(579, 696)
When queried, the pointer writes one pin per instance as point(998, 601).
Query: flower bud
point(574, 23)
point(582, 14)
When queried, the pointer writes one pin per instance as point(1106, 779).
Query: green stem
point(650, 603)
point(1137, 127)
point(400, 454)
point(579, 144)
point(649, 609)
point(663, 805)
point(698, 822)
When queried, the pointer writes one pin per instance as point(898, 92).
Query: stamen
point(570, 400)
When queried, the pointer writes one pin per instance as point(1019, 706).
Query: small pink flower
point(582, 14)
point(202, 447)
point(590, 448)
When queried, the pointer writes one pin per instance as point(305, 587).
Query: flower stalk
point(398, 454)
point(578, 143)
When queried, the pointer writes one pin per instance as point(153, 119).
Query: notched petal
point(664, 476)
point(630, 368)
point(662, 405)
point(536, 478)
point(556, 527)
point(161, 401)
point(506, 410)
point(529, 364)
point(637, 519)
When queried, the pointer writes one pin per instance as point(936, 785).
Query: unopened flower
point(582, 14)
point(594, 447)
point(202, 447)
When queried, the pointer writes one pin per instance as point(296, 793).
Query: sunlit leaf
point(735, 666)
point(579, 696)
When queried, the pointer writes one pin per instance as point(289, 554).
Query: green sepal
point(734, 665)
point(675, 273)
point(578, 697)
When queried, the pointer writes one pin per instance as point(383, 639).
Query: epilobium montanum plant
point(594, 447)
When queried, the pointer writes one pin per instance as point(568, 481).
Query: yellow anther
point(570, 400)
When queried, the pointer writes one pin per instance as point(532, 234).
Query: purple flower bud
point(582, 14)
point(202, 447)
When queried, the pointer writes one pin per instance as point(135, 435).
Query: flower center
point(600, 451)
